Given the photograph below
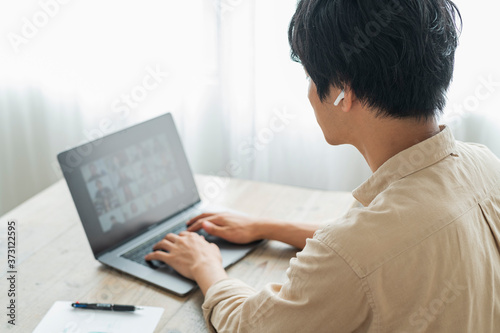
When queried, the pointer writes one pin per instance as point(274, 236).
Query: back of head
point(397, 56)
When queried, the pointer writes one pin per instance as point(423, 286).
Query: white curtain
point(274, 135)
point(222, 67)
point(33, 129)
point(473, 109)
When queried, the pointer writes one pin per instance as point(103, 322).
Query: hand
point(233, 228)
point(190, 255)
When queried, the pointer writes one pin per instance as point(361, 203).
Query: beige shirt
point(422, 255)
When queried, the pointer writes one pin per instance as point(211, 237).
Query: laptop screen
point(128, 181)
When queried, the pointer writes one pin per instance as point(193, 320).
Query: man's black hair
point(397, 56)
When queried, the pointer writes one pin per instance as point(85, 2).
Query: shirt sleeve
point(321, 294)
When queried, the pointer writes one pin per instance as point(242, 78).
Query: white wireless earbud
point(341, 96)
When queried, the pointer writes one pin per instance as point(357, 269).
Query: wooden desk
point(54, 260)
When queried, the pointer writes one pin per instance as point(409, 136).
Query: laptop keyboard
point(137, 254)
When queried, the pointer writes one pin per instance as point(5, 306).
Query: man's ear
point(348, 100)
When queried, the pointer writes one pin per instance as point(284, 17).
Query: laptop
point(130, 189)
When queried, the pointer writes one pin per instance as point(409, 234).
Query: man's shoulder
point(412, 209)
point(362, 238)
point(478, 154)
point(369, 237)
point(398, 220)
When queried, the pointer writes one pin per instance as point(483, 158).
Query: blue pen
point(105, 307)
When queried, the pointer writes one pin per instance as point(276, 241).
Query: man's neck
point(382, 138)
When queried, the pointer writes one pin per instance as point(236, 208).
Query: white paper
point(62, 318)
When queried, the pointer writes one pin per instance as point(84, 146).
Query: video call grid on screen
point(132, 181)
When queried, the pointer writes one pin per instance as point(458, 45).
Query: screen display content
point(132, 181)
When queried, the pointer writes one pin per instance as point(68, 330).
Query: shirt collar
point(405, 163)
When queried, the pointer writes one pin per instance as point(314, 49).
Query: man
point(114, 223)
point(422, 254)
point(94, 174)
point(104, 198)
